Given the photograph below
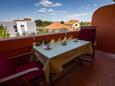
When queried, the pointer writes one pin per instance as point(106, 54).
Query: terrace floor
point(101, 74)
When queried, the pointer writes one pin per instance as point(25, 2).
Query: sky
point(51, 10)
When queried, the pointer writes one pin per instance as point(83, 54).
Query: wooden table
point(55, 58)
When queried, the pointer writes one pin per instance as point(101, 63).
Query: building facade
point(20, 27)
point(73, 25)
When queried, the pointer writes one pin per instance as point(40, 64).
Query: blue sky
point(53, 10)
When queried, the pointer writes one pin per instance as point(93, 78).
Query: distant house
point(57, 27)
point(72, 24)
point(20, 27)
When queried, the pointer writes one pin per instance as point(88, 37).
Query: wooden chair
point(88, 34)
point(10, 75)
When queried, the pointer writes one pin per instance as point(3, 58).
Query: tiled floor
point(101, 74)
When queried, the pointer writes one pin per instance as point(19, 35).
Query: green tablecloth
point(55, 58)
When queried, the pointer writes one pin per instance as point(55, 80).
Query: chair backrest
point(87, 34)
point(5, 67)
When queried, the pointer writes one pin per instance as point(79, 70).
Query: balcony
point(102, 72)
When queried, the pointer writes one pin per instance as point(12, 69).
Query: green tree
point(38, 23)
point(41, 23)
point(3, 32)
point(81, 23)
point(113, 0)
point(62, 22)
point(85, 23)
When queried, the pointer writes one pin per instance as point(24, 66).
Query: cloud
point(79, 16)
point(95, 5)
point(42, 10)
point(88, 6)
point(47, 3)
point(73, 16)
point(49, 11)
point(54, 11)
point(46, 6)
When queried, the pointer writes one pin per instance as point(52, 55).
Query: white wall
point(31, 27)
point(19, 23)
